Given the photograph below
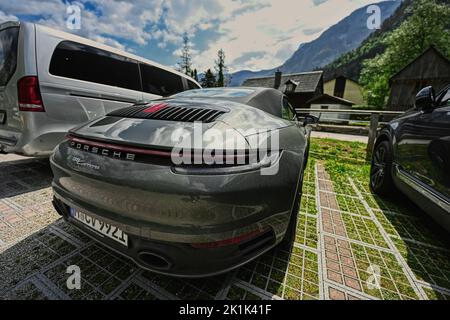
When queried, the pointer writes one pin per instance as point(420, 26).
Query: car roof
point(66, 36)
point(265, 99)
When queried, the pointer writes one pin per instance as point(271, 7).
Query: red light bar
point(193, 155)
point(227, 242)
point(156, 107)
point(119, 147)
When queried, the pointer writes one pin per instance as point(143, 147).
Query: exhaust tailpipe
point(154, 260)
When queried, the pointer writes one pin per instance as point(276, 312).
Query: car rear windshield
point(8, 53)
point(83, 62)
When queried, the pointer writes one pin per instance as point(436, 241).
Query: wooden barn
point(431, 68)
point(298, 87)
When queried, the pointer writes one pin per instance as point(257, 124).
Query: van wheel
point(381, 181)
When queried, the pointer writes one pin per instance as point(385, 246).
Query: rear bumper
point(179, 259)
point(8, 141)
point(35, 134)
point(30, 145)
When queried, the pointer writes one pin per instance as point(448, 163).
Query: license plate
point(2, 117)
point(102, 227)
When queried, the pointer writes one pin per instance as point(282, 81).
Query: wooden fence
point(373, 123)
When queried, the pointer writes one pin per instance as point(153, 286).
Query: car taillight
point(29, 95)
point(227, 242)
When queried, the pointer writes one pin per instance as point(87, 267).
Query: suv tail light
point(29, 95)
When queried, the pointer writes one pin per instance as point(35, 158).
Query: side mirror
point(425, 99)
point(309, 120)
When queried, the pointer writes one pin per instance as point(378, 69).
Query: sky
point(255, 34)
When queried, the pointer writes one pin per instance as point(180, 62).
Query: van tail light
point(29, 95)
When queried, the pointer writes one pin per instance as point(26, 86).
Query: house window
point(339, 87)
point(324, 107)
point(290, 87)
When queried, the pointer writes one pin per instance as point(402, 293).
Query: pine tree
point(221, 68)
point(195, 75)
point(185, 63)
point(208, 80)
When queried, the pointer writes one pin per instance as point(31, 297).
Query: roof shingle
point(307, 81)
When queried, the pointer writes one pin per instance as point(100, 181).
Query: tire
point(305, 162)
point(381, 182)
point(289, 236)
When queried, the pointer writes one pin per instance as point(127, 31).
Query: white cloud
point(119, 19)
point(277, 29)
point(110, 42)
point(243, 26)
point(7, 17)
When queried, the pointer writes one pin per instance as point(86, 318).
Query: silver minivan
point(52, 81)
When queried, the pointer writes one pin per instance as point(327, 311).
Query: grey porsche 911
point(192, 185)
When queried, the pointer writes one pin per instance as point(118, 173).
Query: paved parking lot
point(349, 244)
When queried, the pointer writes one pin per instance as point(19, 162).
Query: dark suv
point(412, 154)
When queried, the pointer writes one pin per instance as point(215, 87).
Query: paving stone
point(332, 265)
point(351, 272)
point(336, 294)
point(331, 255)
point(334, 276)
point(352, 283)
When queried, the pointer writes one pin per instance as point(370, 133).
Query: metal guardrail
point(351, 111)
point(373, 123)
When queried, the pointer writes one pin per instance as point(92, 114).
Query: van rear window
point(8, 53)
point(159, 81)
point(82, 62)
point(192, 85)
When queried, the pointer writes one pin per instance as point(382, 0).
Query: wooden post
point(374, 118)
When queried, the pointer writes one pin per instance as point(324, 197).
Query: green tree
point(221, 68)
point(195, 75)
point(185, 64)
point(427, 25)
point(208, 80)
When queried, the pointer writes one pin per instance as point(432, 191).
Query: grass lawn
point(341, 157)
point(369, 219)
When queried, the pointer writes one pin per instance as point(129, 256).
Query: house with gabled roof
point(298, 87)
point(329, 102)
